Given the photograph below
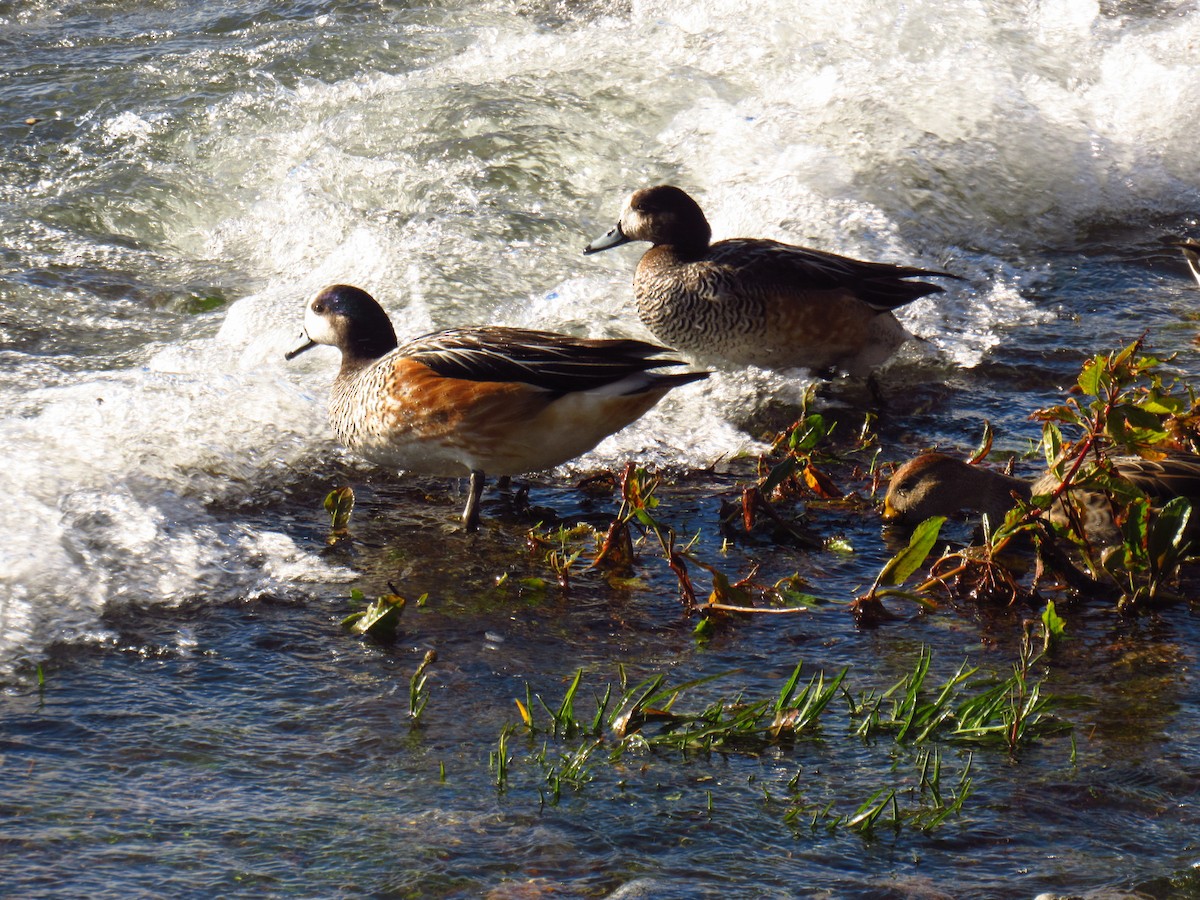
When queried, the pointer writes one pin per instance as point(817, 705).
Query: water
point(195, 171)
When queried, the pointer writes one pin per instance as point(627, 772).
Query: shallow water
point(193, 172)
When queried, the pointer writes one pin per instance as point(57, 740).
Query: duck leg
point(470, 515)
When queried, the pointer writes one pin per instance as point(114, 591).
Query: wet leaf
point(810, 433)
point(1167, 538)
point(729, 594)
point(339, 503)
point(820, 483)
point(616, 553)
point(198, 304)
point(645, 518)
point(908, 560)
point(985, 444)
point(778, 475)
point(1055, 627)
point(525, 716)
point(380, 620)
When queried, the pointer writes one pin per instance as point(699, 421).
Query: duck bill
point(307, 345)
point(614, 238)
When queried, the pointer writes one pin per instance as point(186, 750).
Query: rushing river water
point(178, 177)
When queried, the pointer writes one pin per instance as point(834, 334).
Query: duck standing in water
point(752, 301)
point(474, 400)
point(934, 484)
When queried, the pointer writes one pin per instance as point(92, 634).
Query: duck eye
point(318, 307)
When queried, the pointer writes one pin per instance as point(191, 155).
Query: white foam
point(109, 488)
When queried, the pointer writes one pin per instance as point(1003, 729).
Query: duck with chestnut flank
point(753, 301)
point(934, 484)
point(472, 400)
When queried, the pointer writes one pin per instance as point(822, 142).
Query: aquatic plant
point(1122, 403)
point(418, 693)
point(568, 748)
point(797, 465)
point(614, 560)
point(339, 503)
point(1011, 711)
point(379, 619)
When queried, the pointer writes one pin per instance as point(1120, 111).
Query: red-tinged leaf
point(985, 444)
point(820, 483)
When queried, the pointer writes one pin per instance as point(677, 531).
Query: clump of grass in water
point(614, 557)
point(646, 718)
point(795, 468)
point(1011, 712)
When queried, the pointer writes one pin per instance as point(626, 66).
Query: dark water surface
point(204, 726)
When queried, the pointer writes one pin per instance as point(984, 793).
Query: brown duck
point(752, 301)
point(934, 484)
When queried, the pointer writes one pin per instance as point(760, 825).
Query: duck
point(1191, 253)
point(759, 302)
point(935, 484)
point(470, 401)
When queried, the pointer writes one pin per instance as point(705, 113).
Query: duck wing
point(558, 363)
point(786, 267)
point(1161, 479)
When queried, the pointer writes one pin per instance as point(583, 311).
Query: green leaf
point(1091, 375)
point(1052, 444)
point(985, 443)
point(380, 620)
point(778, 475)
point(1163, 405)
point(1055, 627)
point(339, 503)
point(811, 433)
point(908, 560)
point(1167, 537)
point(840, 545)
point(1135, 528)
point(918, 599)
point(202, 303)
point(645, 518)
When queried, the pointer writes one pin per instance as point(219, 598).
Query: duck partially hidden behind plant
point(472, 400)
point(752, 301)
point(1120, 490)
point(934, 484)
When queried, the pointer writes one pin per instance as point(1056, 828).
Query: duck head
point(661, 215)
point(350, 319)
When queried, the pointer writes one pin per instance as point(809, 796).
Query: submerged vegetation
point(567, 748)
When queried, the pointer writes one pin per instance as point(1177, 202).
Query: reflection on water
point(179, 178)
